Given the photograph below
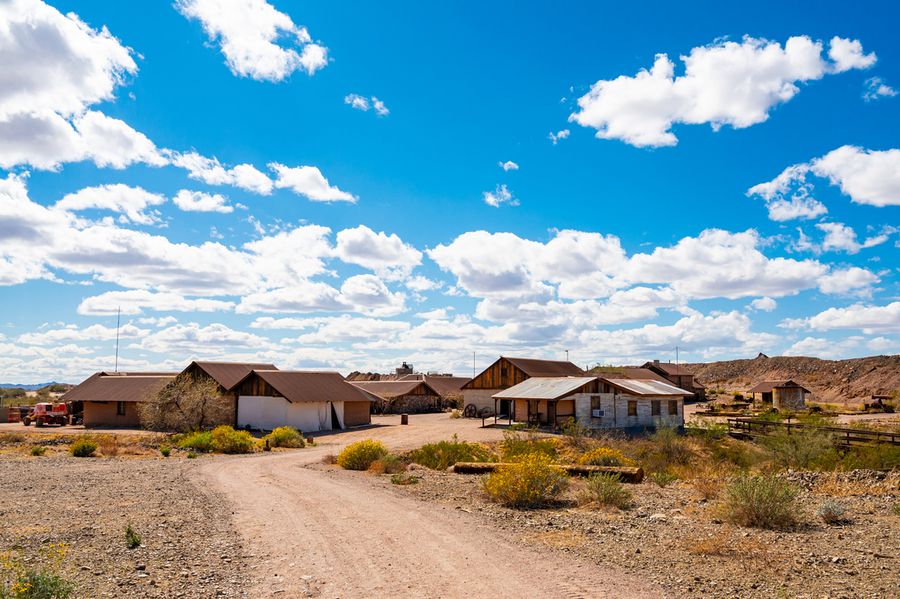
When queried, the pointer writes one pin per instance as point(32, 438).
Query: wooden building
point(449, 387)
point(678, 376)
point(507, 372)
point(307, 401)
point(111, 399)
point(403, 396)
point(783, 395)
point(226, 375)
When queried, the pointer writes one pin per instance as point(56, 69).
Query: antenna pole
point(567, 355)
point(473, 365)
point(676, 355)
point(118, 317)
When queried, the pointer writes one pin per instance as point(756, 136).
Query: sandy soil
point(322, 532)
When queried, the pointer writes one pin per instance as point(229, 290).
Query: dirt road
point(317, 532)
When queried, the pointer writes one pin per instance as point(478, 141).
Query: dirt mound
point(836, 381)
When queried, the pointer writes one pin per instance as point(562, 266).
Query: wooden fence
point(750, 427)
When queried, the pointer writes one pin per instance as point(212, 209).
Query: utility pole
point(567, 355)
point(118, 317)
point(676, 355)
point(473, 365)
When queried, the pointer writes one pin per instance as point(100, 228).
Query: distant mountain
point(32, 387)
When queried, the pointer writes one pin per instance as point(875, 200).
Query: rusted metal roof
point(646, 387)
point(119, 386)
point(229, 374)
point(768, 386)
point(546, 368)
point(669, 368)
point(392, 389)
point(302, 385)
point(550, 388)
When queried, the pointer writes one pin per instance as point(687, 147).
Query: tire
point(26, 422)
point(39, 423)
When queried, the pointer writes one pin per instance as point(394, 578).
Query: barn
point(226, 375)
point(404, 396)
point(112, 398)
point(307, 401)
point(507, 372)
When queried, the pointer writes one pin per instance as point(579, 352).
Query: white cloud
point(135, 301)
point(309, 181)
point(94, 332)
point(212, 172)
point(364, 104)
point(257, 40)
point(867, 176)
point(724, 83)
point(764, 304)
point(871, 320)
point(348, 329)
point(876, 88)
point(420, 284)
point(558, 136)
point(501, 195)
point(841, 238)
point(192, 339)
point(368, 294)
point(848, 281)
point(198, 201)
point(360, 293)
point(509, 165)
point(781, 210)
point(130, 202)
point(436, 314)
point(385, 254)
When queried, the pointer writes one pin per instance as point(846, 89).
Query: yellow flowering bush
point(530, 482)
point(603, 456)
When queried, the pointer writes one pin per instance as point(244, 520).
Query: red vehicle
point(47, 413)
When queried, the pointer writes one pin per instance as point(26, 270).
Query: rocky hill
point(833, 381)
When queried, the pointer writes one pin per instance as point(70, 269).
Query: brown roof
point(119, 386)
point(392, 389)
point(669, 368)
point(767, 386)
point(444, 385)
point(229, 374)
point(533, 367)
point(628, 372)
point(301, 385)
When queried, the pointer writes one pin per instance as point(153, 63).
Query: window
point(673, 407)
point(654, 407)
point(596, 407)
point(632, 407)
point(120, 408)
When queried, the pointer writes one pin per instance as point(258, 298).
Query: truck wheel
point(39, 422)
point(26, 422)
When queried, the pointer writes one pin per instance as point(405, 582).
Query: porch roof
point(550, 388)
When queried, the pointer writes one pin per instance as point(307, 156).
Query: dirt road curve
point(320, 533)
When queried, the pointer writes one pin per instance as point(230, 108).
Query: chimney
point(656, 362)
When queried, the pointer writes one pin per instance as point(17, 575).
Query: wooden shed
point(405, 396)
point(783, 395)
point(307, 401)
point(111, 398)
point(507, 372)
point(226, 375)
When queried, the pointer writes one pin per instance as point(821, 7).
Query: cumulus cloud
point(841, 238)
point(724, 83)
point(870, 319)
point(509, 165)
point(500, 196)
point(135, 301)
point(875, 88)
point(213, 172)
point(94, 332)
point(308, 181)
point(848, 281)
point(558, 136)
point(257, 40)
point(199, 201)
point(193, 339)
point(130, 202)
point(385, 254)
point(869, 177)
point(364, 104)
point(764, 304)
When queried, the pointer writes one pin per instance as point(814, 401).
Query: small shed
point(783, 395)
point(112, 398)
point(405, 396)
point(545, 400)
point(307, 401)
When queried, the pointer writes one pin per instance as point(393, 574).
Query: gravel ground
point(675, 540)
point(189, 548)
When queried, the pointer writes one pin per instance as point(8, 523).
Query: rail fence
point(750, 427)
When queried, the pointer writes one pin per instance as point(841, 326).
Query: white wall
point(615, 411)
point(482, 398)
point(267, 413)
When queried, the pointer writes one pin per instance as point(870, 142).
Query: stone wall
point(615, 411)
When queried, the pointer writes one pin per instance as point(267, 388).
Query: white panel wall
point(267, 413)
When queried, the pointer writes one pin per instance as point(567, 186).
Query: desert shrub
point(707, 483)
point(165, 450)
point(404, 478)
point(880, 456)
point(602, 456)
point(329, 458)
point(605, 489)
point(663, 479)
point(11, 438)
point(38, 450)
point(285, 436)
point(442, 455)
point(132, 538)
point(20, 579)
point(742, 454)
point(707, 431)
point(227, 440)
point(670, 446)
point(360, 455)
point(530, 482)
point(761, 501)
point(517, 445)
point(576, 433)
point(895, 509)
point(802, 449)
point(389, 464)
point(191, 455)
point(831, 512)
point(83, 447)
point(109, 445)
point(187, 403)
point(201, 441)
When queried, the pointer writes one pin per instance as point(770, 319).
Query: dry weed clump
point(389, 464)
point(707, 482)
point(832, 512)
point(716, 545)
point(605, 490)
point(761, 501)
point(109, 445)
point(530, 482)
point(442, 455)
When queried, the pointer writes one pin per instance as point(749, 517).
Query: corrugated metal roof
point(545, 387)
point(119, 386)
point(628, 372)
point(301, 385)
point(767, 386)
point(636, 387)
point(392, 389)
point(229, 374)
point(545, 368)
point(669, 368)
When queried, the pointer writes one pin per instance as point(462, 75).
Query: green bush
point(21, 579)
point(605, 489)
point(881, 456)
point(761, 502)
point(38, 450)
point(201, 441)
point(404, 478)
point(516, 446)
point(227, 440)
point(360, 455)
point(83, 447)
point(191, 455)
point(132, 538)
point(442, 455)
point(530, 482)
point(802, 449)
point(602, 456)
point(670, 446)
point(165, 450)
point(663, 479)
point(285, 436)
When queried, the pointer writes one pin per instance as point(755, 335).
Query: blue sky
point(354, 239)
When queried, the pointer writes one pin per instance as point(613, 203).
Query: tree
point(188, 403)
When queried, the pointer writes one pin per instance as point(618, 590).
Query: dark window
point(673, 407)
point(654, 407)
point(120, 408)
point(632, 407)
point(596, 407)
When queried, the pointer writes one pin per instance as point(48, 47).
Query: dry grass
point(833, 484)
point(558, 539)
point(108, 444)
point(707, 482)
point(329, 458)
point(717, 545)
